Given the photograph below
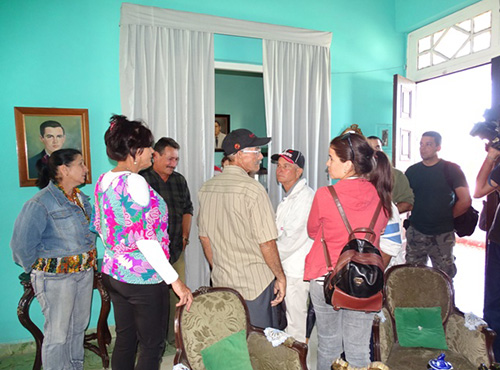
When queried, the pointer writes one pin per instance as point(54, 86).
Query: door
point(404, 140)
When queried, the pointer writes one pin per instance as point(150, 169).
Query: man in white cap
point(238, 232)
point(293, 241)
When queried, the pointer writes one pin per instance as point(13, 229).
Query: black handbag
point(466, 223)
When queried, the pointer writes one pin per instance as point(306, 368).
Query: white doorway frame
point(239, 67)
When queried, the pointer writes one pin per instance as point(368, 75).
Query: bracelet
point(491, 158)
point(185, 240)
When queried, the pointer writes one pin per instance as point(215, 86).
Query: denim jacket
point(49, 225)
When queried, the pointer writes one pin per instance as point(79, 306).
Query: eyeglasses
point(348, 137)
point(257, 151)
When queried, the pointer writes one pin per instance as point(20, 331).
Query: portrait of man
point(219, 136)
point(221, 130)
point(52, 136)
point(42, 131)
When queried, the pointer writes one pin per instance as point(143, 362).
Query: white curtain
point(297, 98)
point(167, 80)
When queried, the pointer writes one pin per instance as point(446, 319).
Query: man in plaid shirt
point(172, 186)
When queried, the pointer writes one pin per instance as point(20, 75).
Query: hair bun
point(112, 122)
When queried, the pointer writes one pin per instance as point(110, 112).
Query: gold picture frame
point(31, 147)
point(223, 120)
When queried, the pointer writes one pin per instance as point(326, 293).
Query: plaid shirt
point(176, 194)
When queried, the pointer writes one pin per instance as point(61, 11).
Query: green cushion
point(228, 354)
point(420, 327)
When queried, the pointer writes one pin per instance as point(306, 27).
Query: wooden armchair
point(422, 286)
point(219, 312)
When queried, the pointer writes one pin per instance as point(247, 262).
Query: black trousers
point(491, 308)
point(141, 318)
point(263, 315)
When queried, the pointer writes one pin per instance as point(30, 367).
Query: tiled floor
point(23, 360)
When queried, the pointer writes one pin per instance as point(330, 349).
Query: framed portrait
point(222, 128)
point(40, 131)
point(384, 132)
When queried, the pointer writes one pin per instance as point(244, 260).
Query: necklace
point(74, 198)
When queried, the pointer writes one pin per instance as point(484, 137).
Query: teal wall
point(366, 53)
point(413, 14)
point(64, 54)
point(241, 95)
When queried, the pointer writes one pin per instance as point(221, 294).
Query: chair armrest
point(475, 345)
point(290, 355)
point(383, 336)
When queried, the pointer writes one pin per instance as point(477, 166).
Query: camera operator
point(488, 180)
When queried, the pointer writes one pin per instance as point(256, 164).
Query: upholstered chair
point(422, 286)
point(215, 314)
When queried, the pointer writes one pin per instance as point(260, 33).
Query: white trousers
point(296, 300)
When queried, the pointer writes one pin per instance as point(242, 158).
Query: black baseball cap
point(241, 139)
point(292, 156)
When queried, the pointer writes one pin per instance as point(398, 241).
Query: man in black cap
point(293, 241)
point(238, 232)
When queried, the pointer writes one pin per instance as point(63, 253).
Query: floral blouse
point(121, 222)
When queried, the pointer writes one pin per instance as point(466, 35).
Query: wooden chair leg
point(103, 334)
point(23, 314)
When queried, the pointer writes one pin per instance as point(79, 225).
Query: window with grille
point(462, 40)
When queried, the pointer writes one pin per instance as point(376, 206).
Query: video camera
point(490, 128)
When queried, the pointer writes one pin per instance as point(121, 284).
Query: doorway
point(451, 105)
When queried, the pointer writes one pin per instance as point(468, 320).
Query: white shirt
point(390, 240)
point(291, 220)
point(220, 138)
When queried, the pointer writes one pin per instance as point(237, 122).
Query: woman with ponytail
point(364, 180)
point(53, 243)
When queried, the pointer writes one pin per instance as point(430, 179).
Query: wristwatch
point(184, 239)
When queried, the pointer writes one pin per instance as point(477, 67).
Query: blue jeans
point(65, 300)
point(340, 331)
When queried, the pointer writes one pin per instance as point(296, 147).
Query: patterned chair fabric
point(219, 312)
point(422, 286)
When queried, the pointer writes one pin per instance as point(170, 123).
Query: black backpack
point(357, 280)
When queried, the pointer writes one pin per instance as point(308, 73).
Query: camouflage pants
point(439, 248)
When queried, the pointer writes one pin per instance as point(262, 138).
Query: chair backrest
point(418, 286)
point(215, 314)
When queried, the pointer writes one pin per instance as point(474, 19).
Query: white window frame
point(467, 61)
